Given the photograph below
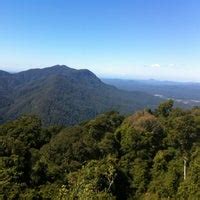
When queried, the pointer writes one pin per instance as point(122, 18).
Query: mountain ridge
point(179, 91)
point(63, 95)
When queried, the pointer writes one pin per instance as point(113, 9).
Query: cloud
point(163, 65)
point(172, 65)
point(155, 65)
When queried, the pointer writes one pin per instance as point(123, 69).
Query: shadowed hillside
point(62, 95)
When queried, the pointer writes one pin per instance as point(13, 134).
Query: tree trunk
point(185, 169)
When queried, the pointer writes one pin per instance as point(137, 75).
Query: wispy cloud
point(155, 65)
point(172, 65)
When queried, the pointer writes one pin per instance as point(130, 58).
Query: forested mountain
point(182, 92)
point(112, 157)
point(62, 95)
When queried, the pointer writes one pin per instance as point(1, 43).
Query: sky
point(130, 39)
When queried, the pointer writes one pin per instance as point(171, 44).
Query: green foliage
point(96, 180)
point(25, 129)
point(109, 157)
point(141, 135)
point(189, 189)
point(167, 174)
point(182, 132)
point(165, 108)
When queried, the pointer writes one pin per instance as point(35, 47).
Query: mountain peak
point(57, 68)
point(79, 74)
point(63, 95)
point(60, 67)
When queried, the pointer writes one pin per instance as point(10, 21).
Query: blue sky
point(114, 38)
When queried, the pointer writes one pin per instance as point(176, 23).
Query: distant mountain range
point(62, 95)
point(186, 94)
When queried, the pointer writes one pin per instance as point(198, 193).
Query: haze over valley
point(187, 93)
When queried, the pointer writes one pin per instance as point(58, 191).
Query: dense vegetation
point(62, 95)
point(110, 157)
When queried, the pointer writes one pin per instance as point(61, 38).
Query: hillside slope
point(62, 95)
